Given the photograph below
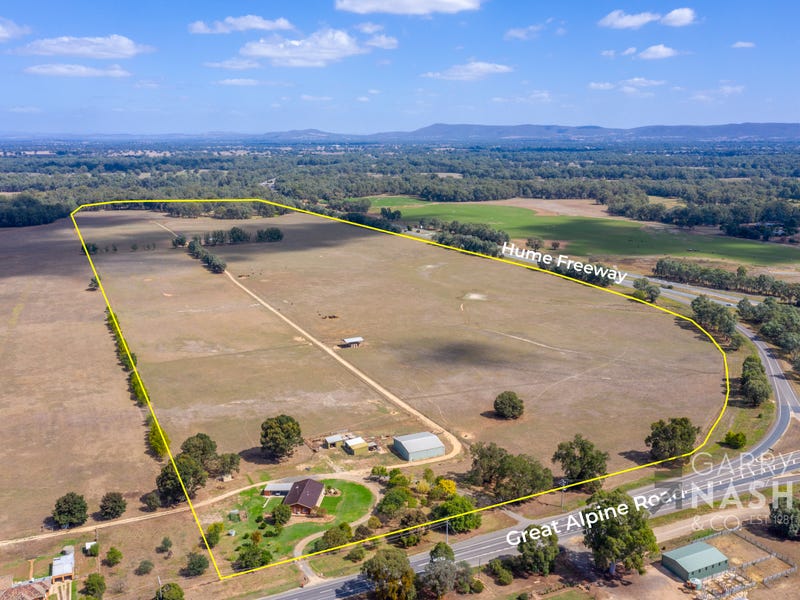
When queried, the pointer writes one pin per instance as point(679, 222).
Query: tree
point(169, 591)
point(784, 519)
point(281, 514)
point(151, 501)
point(95, 585)
point(538, 552)
point(442, 551)
point(379, 472)
point(508, 405)
point(394, 500)
point(166, 545)
point(93, 284)
point(237, 235)
point(214, 533)
point(70, 510)
point(580, 460)
point(391, 573)
point(457, 506)
point(158, 440)
point(486, 461)
point(191, 473)
point(534, 242)
point(334, 537)
point(555, 245)
point(144, 567)
point(735, 440)
point(438, 578)
point(252, 556)
point(227, 464)
point(627, 538)
point(113, 556)
point(521, 475)
point(672, 439)
point(196, 564)
point(357, 554)
point(279, 436)
point(112, 505)
point(201, 448)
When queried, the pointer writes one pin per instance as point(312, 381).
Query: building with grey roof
point(418, 446)
point(695, 561)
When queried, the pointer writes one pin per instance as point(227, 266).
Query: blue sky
point(362, 66)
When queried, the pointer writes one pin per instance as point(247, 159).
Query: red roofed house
point(305, 496)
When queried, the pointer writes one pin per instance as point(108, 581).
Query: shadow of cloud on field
point(465, 353)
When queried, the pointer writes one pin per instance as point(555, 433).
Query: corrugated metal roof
point(696, 556)
point(419, 442)
point(63, 565)
point(279, 487)
point(332, 439)
point(356, 441)
point(353, 340)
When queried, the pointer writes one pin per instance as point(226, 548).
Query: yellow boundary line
point(416, 239)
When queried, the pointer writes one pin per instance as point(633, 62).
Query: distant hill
point(470, 133)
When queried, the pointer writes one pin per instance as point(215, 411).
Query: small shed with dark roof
point(304, 496)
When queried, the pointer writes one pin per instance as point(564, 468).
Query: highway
point(748, 472)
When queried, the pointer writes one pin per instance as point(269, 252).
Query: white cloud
point(10, 30)
point(110, 46)
point(25, 110)
point(523, 33)
point(385, 42)
point(62, 70)
point(317, 50)
point(642, 82)
point(536, 96)
point(608, 53)
point(363, 99)
point(369, 28)
point(471, 71)
point(245, 23)
point(657, 52)
point(730, 90)
point(234, 64)
point(238, 81)
point(373, 91)
point(619, 19)
point(743, 45)
point(146, 84)
point(680, 17)
point(601, 85)
point(628, 51)
point(310, 98)
point(725, 90)
point(407, 7)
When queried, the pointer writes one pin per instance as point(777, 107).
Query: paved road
point(751, 471)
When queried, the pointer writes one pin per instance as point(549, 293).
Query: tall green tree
point(191, 473)
point(169, 591)
point(201, 448)
point(538, 552)
point(508, 405)
point(95, 585)
point(455, 508)
point(784, 519)
point(70, 510)
point(437, 579)
point(158, 440)
point(112, 505)
point(521, 475)
point(581, 460)
point(624, 538)
point(671, 439)
point(391, 573)
point(280, 436)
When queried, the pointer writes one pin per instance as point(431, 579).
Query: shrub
point(476, 586)
point(113, 557)
point(144, 567)
point(356, 554)
point(735, 440)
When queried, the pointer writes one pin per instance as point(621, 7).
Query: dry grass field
point(67, 419)
point(444, 331)
point(215, 361)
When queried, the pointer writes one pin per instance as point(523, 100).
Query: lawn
point(585, 236)
point(352, 504)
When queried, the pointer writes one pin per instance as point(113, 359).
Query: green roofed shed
point(695, 561)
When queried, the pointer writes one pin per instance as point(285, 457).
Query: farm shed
point(695, 561)
point(304, 496)
point(418, 446)
point(276, 489)
point(332, 441)
point(63, 568)
point(352, 342)
point(356, 445)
